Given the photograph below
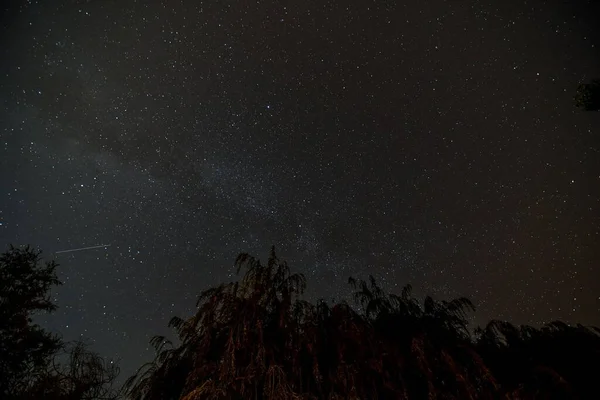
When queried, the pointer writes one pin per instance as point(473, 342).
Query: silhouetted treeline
point(258, 339)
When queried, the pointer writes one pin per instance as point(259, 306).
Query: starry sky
point(432, 143)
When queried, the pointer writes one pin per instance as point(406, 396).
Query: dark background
point(433, 143)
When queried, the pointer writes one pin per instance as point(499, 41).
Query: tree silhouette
point(257, 339)
point(81, 375)
point(34, 363)
point(25, 348)
point(236, 344)
point(555, 361)
point(588, 96)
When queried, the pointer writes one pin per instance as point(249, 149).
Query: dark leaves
point(34, 363)
point(257, 338)
point(588, 96)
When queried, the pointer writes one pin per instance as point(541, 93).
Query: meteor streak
point(82, 248)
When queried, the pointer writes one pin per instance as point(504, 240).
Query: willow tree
point(241, 342)
point(554, 361)
point(258, 339)
point(427, 348)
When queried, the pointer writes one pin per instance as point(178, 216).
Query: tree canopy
point(34, 363)
point(588, 96)
point(258, 339)
point(25, 348)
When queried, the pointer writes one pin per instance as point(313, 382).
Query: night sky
point(433, 142)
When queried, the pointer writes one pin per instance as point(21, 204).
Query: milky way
point(434, 144)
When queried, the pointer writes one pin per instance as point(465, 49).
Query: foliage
point(35, 364)
point(25, 348)
point(588, 96)
point(557, 361)
point(258, 339)
point(81, 375)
